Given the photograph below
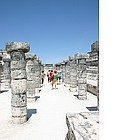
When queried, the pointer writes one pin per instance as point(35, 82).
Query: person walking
point(43, 77)
point(51, 73)
point(54, 79)
point(48, 75)
point(59, 75)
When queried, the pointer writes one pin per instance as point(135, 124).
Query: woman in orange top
point(51, 73)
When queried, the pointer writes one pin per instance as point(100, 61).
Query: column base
point(31, 100)
point(73, 89)
point(82, 97)
point(19, 120)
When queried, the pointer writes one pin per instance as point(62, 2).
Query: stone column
point(30, 70)
point(73, 74)
point(6, 73)
point(82, 74)
point(37, 75)
point(40, 78)
point(63, 71)
point(17, 52)
point(67, 73)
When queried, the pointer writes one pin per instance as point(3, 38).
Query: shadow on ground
point(3, 91)
point(93, 108)
point(36, 97)
point(30, 112)
point(75, 96)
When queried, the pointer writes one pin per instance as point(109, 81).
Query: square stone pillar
point(67, 73)
point(82, 76)
point(37, 75)
point(6, 73)
point(17, 52)
point(30, 70)
point(73, 74)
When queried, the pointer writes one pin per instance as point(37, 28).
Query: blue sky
point(56, 29)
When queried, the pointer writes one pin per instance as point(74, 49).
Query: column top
point(14, 46)
point(30, 56)
point(82, 56)
point(71, 57)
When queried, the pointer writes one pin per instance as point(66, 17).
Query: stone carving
point(37, 75)
point(30, 70)
point(82, 126)
point(73, 74)
point(67, 73)
point(82, 75)
point(17, 52)
point(6, 73)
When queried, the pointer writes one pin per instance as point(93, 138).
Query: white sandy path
point(47, 115)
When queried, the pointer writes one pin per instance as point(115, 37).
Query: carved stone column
point(37, 75)
point(82, 76)
point(67, 73)
point(63, 71)
point(6, 73)
point(40, 78)
point(73, 74)
point(17, 52)
point(30, 70)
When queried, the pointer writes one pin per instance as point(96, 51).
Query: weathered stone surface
point(30, 70)
point(82, 74)
point(67, 73)
point(6, 72)
point(19, 111)
point(19, 100)
point(21, 64)
point(37, 74)
point(31, 88)
point(16, 46)
point(19, 120)
point(82, 86)
point(83, 126)
point(92, 89)
point(18, 74)
point(82, 92)
point(18, 86)
point(18, 82)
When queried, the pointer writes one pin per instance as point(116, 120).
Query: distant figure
point(48, 75)
point(51, 73)
point(54, 81)
point(43, 77)
point(59, 75)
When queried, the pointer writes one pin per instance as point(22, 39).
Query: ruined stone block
point(18, 86)
point(19, 100)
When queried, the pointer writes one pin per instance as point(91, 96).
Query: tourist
point(51, 73)
point(43, 77)
point(54, 79)
point(48, 75)
point(59, 75)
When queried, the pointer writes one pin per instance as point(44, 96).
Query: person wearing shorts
point(54, 79)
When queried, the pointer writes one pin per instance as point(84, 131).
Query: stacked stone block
point(67, 73)
point(37, 75)
point(17, 52)
point(82, 76)
point(6, 73)
point(30, 70)
point(63, 71)
point(73, 74)
point(40, 78)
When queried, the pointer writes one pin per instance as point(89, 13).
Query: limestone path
point(47, 116)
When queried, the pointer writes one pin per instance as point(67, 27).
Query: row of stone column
point(22, 72)
point(74, 74)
